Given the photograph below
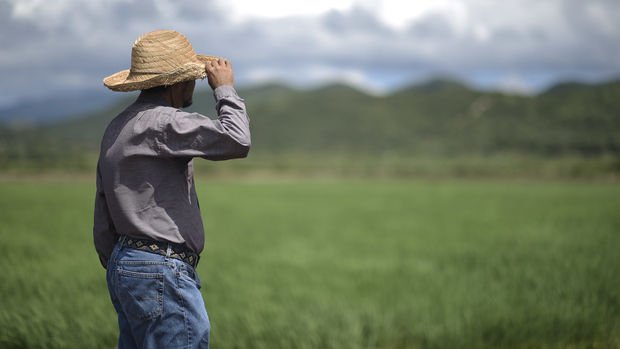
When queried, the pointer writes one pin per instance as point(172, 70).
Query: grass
point(345, 165)
point(341, 264)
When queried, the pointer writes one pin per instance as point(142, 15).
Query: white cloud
point(515, 84)
point(517, 44)
point(314, 75)
point(242, 10)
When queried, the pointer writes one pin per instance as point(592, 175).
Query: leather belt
point(161, 248)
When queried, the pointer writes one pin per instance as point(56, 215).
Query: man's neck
point(156, 97)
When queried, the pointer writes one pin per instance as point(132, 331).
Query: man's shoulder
point(138, 116)
point(145, 114)
point(165, 113)
point(153, 110)
point(146, 117)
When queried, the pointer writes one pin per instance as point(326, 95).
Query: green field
point(340, 264)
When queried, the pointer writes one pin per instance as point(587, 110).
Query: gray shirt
point(145, 184)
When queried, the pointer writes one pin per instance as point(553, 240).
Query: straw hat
point(162, 57)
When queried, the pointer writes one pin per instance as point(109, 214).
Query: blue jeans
point(158, 301)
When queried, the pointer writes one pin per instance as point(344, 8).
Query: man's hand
point(219, 73)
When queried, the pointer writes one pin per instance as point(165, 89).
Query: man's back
point(145, 168)
point(148, 194)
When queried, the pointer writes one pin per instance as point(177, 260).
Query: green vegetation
point(341, 264)
point(571, 130)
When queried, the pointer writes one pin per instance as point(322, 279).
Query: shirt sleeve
point(194, 135)
point(104, 232)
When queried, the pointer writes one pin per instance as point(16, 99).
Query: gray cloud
point(70, 44)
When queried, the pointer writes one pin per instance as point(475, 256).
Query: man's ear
point(185, 93)
point(190, 84)
point(176, 88)
point(175, 93)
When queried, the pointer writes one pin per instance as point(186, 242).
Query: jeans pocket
point(188, 275)
point(141, 293)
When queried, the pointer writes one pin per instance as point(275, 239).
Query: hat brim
point(204, 58)
point(125, 80)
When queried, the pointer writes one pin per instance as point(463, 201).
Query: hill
point(55, 108)
point(440, 118)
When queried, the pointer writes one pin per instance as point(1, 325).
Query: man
point(147, 231)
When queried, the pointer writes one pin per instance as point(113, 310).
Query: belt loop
point(168, 251)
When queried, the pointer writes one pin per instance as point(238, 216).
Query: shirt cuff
point(225, 91)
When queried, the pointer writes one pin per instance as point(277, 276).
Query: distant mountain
point(55, 108)
point(437, 118)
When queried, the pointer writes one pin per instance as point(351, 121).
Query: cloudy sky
point(63, 46)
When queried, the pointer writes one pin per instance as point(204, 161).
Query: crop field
point(340, 264)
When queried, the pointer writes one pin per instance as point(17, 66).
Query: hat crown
point(159, 58)
point(161, 51)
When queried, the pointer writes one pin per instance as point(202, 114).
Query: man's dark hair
point(157, 89)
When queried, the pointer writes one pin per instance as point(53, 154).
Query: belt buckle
point(183, 255)
point(192, 259)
